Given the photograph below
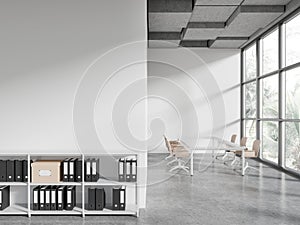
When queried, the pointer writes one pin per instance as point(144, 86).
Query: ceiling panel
point(202, 34)
point(212, 13)
point(196, 44)
point(164, 35)
point(245, 24)
point(228, 43)
point(168, 21)
point(218, 2)
point(170, 5)
point(266, 2)
point(163, 44)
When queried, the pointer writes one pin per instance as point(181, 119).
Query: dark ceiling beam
point(262, 8)
point(206, 25)
point(164, 35)
point(170, 5)
point(194, 43)
point(211, 42)
point(255, 9)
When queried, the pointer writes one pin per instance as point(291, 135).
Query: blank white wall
point(192, 92)
point(50, 58)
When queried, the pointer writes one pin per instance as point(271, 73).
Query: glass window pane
point(292, 41)
point(270, 97)
point(292, 145)
point(250, 132)
point(250, 100)
point(270, 52)
point(270, 141)
point(250, 63)
point(293, 94)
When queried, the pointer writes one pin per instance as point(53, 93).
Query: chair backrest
point(255, 147)
point(233, 138)
point(167, 144)
point(243, 141)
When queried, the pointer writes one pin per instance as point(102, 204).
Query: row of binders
point(4, 197)
point(72, 170)
point(96, 198)
point(128, 169)
point(119, 198)
point(54, 197)
point(13, 171)
point(92, 167)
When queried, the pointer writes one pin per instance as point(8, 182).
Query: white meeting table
point(218, 145)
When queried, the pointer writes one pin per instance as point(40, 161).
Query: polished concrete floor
point(214, 195)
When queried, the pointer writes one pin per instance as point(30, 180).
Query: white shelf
point(24, 209)
point(129, 210)
point(75, 211)
point(56, 154)
point(108, 182)
point(20, 209)
point(13, 183)
point(60, 183)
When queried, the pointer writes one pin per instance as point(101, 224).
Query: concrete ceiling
point(209, 23)
point(168, 21)
point(211, 14)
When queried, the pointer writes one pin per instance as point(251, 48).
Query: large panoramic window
point(292, 28)
point(271, 94)
point(250, 62)
point(270, 97)
point(270, 141)
point(270, 52)
point(250, 100)
point(250, 132)
point(292, 145)
point(293, 94)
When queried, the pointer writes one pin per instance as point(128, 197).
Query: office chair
point(179, 154)
point(252, 153)
point(170, 145)
point(232, 140)
point(243, 143)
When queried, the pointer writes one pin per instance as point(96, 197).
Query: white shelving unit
point(25, 209)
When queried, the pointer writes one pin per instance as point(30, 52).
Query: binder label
point(122, 197)
point(65, 168)
point(69, 197)
point(59, 197)
point(71, 168)
point(121, 167)
point(94, 168)
point(47, 196)
point(35, 197)
point(41, 196)
point(88, 165)
point(53, 196)
point(134, 168)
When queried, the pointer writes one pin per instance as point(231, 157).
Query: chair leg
point(234, 161)
point(174, 168)
point(222, 155)
point(225, 156)
point(180, 166)
point(174, 160)
point(249, 167)
point(169, 157)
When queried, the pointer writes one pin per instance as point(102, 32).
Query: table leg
point(192, 163)
point(243, 162)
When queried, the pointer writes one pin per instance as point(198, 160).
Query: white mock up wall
point(184, 90)
point(46, 50)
